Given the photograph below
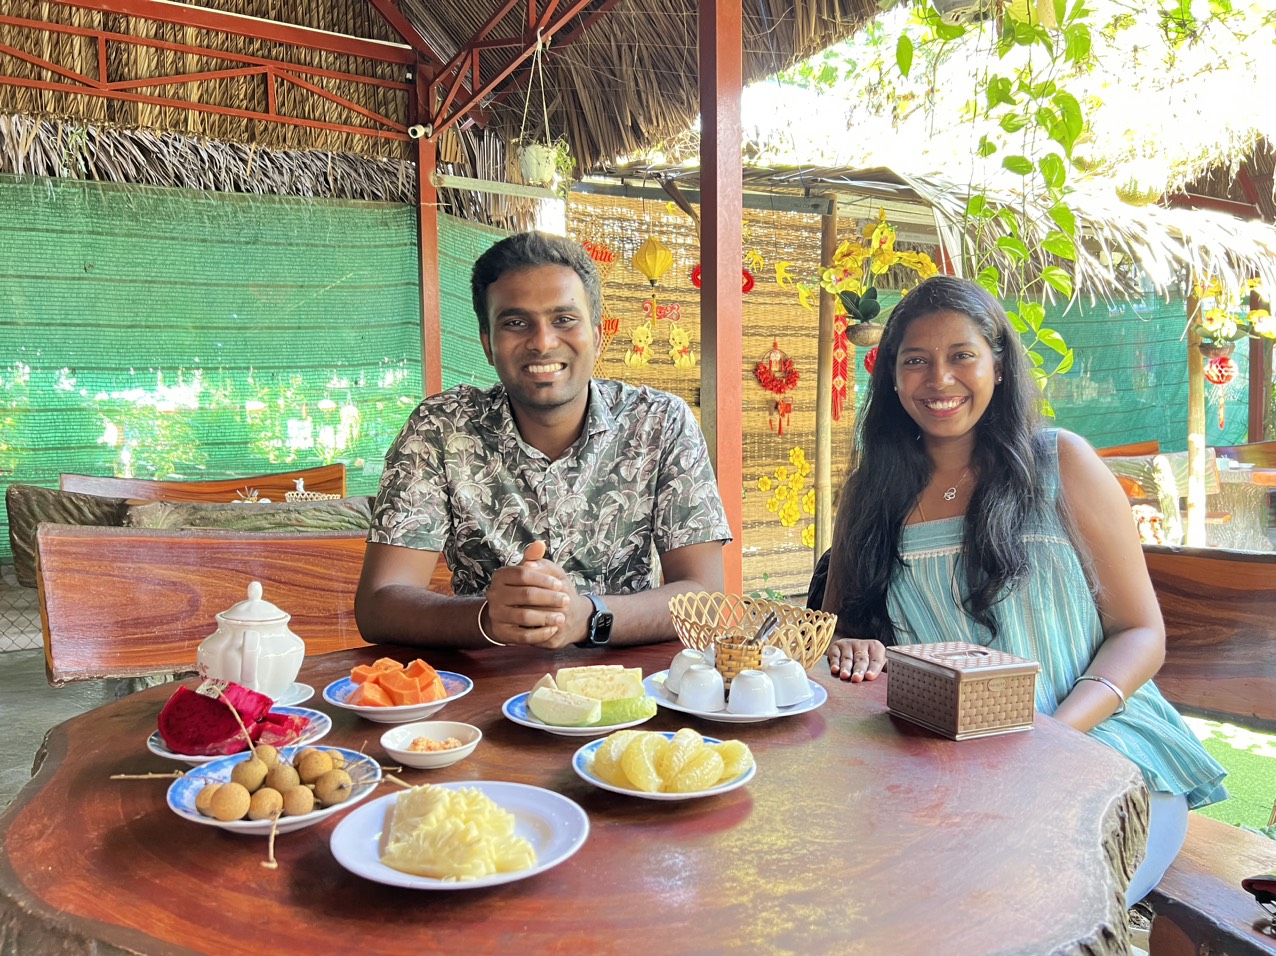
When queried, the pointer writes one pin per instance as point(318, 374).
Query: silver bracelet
point(499, 644)
point(1109, 685)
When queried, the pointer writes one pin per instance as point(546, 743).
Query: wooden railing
point(325, 479)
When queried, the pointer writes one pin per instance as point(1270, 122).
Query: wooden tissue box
point(961, 690)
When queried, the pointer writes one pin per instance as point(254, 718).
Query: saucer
point(295, 694)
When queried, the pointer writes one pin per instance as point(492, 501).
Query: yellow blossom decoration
point(797, 456)
point(773, 505)
point(808, 536)
point(764, 483)
point(808, 502)
point(781, 492)
point(781, 474)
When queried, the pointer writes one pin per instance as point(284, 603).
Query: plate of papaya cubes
point(389, 692)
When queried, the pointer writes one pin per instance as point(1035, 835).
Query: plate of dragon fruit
point(196, 728)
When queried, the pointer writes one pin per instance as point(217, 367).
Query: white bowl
point(339, 693)
point(397, 741)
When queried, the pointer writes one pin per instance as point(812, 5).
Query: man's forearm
point(419, 617)
point(644, 618)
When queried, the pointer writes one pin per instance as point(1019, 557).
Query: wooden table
point(860, 834)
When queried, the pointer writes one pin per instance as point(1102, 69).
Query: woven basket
point(702, 619)
point(309, 496)
point(731, 657)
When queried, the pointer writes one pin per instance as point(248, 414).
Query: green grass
point(1250, 760)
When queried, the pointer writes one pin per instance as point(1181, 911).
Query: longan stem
point(148, 776)
point(239, 720)
point(270, 862)
point(395, 780)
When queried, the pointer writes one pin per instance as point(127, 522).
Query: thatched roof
point(1166, 244)
point(628, 78)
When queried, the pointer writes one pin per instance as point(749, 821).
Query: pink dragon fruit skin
point(196, 725)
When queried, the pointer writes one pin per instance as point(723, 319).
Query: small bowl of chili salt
point(431, 744)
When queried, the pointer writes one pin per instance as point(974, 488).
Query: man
point(545, 493)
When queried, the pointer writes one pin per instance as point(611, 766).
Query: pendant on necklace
point(951, 493)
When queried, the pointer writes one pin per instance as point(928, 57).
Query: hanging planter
point(1212, 350)
point(537, 163)
point(865, 333)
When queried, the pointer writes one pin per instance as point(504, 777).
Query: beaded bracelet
point(499, 644)
point(1109, 685)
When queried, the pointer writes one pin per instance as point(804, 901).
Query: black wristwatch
point(599, 624)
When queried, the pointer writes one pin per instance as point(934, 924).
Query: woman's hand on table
point(854, 660)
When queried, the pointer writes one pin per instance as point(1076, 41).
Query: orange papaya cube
point(386, 664)
point(370, 694)
point(401, 688)
point(433, 690)
point(362, 673)
point(421, 671)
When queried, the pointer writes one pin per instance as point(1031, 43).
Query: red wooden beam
point(428, 247)
point(464, 63)
point(567, 39)
point(103, 36)
point(482, 89)
point(205, 18)
point(1238, 209)
point(721, 31)
point(405, 28)
point(396, 134)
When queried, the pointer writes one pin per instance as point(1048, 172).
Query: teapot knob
point(254, 591)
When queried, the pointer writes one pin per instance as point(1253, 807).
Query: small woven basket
point(731, 657)
point(309, 496)
point(703, 619)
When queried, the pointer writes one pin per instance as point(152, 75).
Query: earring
point(998, 379)
point(896, 387)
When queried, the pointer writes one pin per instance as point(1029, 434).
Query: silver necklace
point(951, 493)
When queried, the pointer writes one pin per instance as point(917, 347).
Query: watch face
point(600, 623)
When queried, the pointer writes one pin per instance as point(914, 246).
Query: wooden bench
point(325, 479)
point(124, 602)
point(1220, 662)
point(1134, 449)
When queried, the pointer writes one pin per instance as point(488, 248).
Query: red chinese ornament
point(841, 364)
point(1220, 371)
point(747, 281)
point(870, 360)
point(775, 371)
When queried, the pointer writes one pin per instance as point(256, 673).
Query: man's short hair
point(528, 250)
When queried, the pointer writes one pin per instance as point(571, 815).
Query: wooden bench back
point(1220, 624)
point(326, 479)
point(124, 602)
point(1130, 450)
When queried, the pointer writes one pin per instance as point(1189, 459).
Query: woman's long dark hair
point(891, 470)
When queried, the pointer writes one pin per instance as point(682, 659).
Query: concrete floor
point(29, 707)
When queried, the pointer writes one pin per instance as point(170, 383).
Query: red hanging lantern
point(778, 415)
point(870, 360)
point(1220, 372)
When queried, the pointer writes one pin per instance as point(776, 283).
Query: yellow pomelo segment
point(736, 756)
point(685, 745)
point(601, 682)
point(704, 771)
point(640, 760)
point(607, 758)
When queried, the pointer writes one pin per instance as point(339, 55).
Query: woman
point(964, 520)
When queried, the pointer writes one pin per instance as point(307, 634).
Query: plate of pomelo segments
point(339, 693)
point(583, 764)
point(515, 709)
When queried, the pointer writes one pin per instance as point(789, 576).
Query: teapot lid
point(253, 609)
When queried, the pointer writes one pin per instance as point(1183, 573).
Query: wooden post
point(721, 34)
point(1260, 378)
point(428, 246)
point(824, 391)
point(1195, 531)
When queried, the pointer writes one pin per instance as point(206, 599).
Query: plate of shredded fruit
point(658, 765)
point(392, 693)
point(460, 836)
point(583, 701)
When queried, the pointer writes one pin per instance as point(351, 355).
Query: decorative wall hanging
point(790, 498)
point(653, 259)
point(1220, 372)
point(747, 281)
point(1223, 316)
point(870, 360)
point(841, 365)
point(640, 352)
point(775, 372)
point(604, 257)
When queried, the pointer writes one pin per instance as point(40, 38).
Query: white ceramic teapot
point(252, 646)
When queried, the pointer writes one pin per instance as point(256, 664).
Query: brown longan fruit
point(333, 787)
point(282, 778)
point(298, 800)
point(265, 803)
point(313, 766)
point(230, 802)
point(301, 755)
point(267, 755)
point(250, 773)
point(204, 799)
point(338, 759)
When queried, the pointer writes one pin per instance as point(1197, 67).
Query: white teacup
point(771, 654)
point(791, 685)
point(752, 692)
point(678, 666)
point(702, 689)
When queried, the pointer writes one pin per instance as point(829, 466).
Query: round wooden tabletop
point(861, 833)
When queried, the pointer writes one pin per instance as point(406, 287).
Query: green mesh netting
point(172, 333)
point(1129, 382)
